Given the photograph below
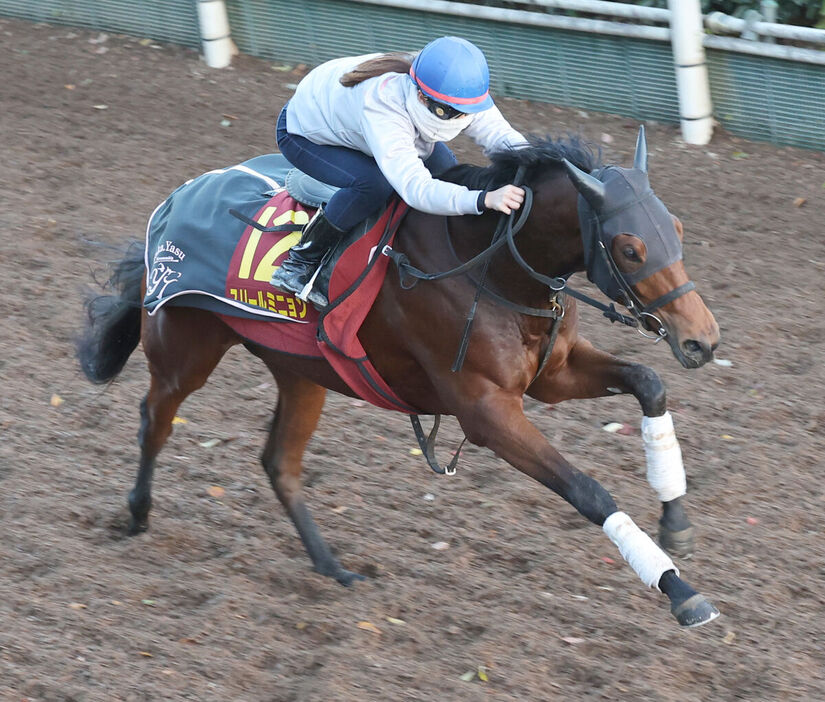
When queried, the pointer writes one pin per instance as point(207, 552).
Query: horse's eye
point(630, 254)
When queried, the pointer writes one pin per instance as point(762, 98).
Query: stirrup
point(287, 276)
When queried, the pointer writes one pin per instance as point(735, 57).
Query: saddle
point(314, 193)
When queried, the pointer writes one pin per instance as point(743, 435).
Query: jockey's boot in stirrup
point(298, 273)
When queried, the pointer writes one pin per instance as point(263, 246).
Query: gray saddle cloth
point(192, 236)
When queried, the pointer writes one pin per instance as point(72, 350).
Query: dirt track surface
point(218, 602)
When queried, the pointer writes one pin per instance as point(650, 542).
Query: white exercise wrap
point(665, 470)
point(638, 549)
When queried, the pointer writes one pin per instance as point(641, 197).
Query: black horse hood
point(628, 206)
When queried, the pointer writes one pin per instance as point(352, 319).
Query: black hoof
point(694, 611)
point(137, 527)
point(347, 578)
point(680, 544)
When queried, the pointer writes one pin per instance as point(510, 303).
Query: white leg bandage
point(638, 549)
point(665, 470)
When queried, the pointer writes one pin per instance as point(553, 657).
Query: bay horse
point(579, 216)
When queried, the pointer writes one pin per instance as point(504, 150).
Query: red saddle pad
point(354, 284)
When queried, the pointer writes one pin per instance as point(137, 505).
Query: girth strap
point(427, 444)
point(558, 299)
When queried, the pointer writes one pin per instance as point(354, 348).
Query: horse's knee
point(285, 481)
point(648, 389)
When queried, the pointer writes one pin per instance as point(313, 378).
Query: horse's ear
point(591, 189)
point(640, 159)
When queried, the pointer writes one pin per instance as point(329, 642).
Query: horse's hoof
point(677, 543)
point(347, 578)
point(137, 527)
point(694, 611)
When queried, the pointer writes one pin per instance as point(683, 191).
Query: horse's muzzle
point(694, 353)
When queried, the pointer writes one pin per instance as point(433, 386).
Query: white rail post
point(218, 47)
point(695, 107)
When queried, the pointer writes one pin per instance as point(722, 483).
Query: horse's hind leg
point(589, 373)
point(182, 346)
point(300, 402)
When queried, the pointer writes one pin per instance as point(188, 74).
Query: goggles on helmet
point(439, 109)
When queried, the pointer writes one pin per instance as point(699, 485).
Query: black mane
point(543, 153)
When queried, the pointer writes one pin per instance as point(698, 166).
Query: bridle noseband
point(642, 314)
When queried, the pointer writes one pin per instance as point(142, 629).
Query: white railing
point(750, 29)
point(753, 26)
point(684, 30)
point(216, 39)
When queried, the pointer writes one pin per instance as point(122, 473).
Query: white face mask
point(430, 127)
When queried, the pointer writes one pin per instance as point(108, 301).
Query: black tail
point(113, 320)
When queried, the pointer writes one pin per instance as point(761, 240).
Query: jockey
point(376, 124)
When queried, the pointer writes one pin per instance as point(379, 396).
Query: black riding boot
point(296, 272)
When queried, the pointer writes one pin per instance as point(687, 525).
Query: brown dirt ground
point(217, 601)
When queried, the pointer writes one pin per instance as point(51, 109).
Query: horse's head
point(633, 253)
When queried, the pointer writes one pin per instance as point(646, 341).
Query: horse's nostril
point(692, 347)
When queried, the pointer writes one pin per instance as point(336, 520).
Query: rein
point(506, 229)
point(508, 226)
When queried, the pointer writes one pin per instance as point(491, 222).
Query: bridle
point(641, 315)
point(613, 200)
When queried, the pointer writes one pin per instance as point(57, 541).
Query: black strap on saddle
point(427, 444)
point(291, 227)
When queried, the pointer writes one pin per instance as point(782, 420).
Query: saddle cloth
point(199, 255)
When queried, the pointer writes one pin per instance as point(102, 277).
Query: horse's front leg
point(496, 420)
point(588, 372)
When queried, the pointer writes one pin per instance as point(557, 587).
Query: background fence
point(757, 97)
point(174, 21)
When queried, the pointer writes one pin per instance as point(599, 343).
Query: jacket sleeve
point(391, 138)
point(493, 133)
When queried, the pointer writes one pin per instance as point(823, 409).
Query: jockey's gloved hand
point(505, 199)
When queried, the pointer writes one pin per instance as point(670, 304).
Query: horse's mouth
point(691, 353)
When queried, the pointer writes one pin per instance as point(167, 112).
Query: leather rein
point(504, 234)
point(506, 229)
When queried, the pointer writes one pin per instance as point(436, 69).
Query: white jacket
point(371, 117)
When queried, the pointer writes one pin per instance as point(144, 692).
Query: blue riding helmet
point(453, 71)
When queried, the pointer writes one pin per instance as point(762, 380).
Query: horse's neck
point(550, 242)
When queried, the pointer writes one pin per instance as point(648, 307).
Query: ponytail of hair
point(396, 62)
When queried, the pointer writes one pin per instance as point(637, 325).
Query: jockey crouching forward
point(376, 124)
